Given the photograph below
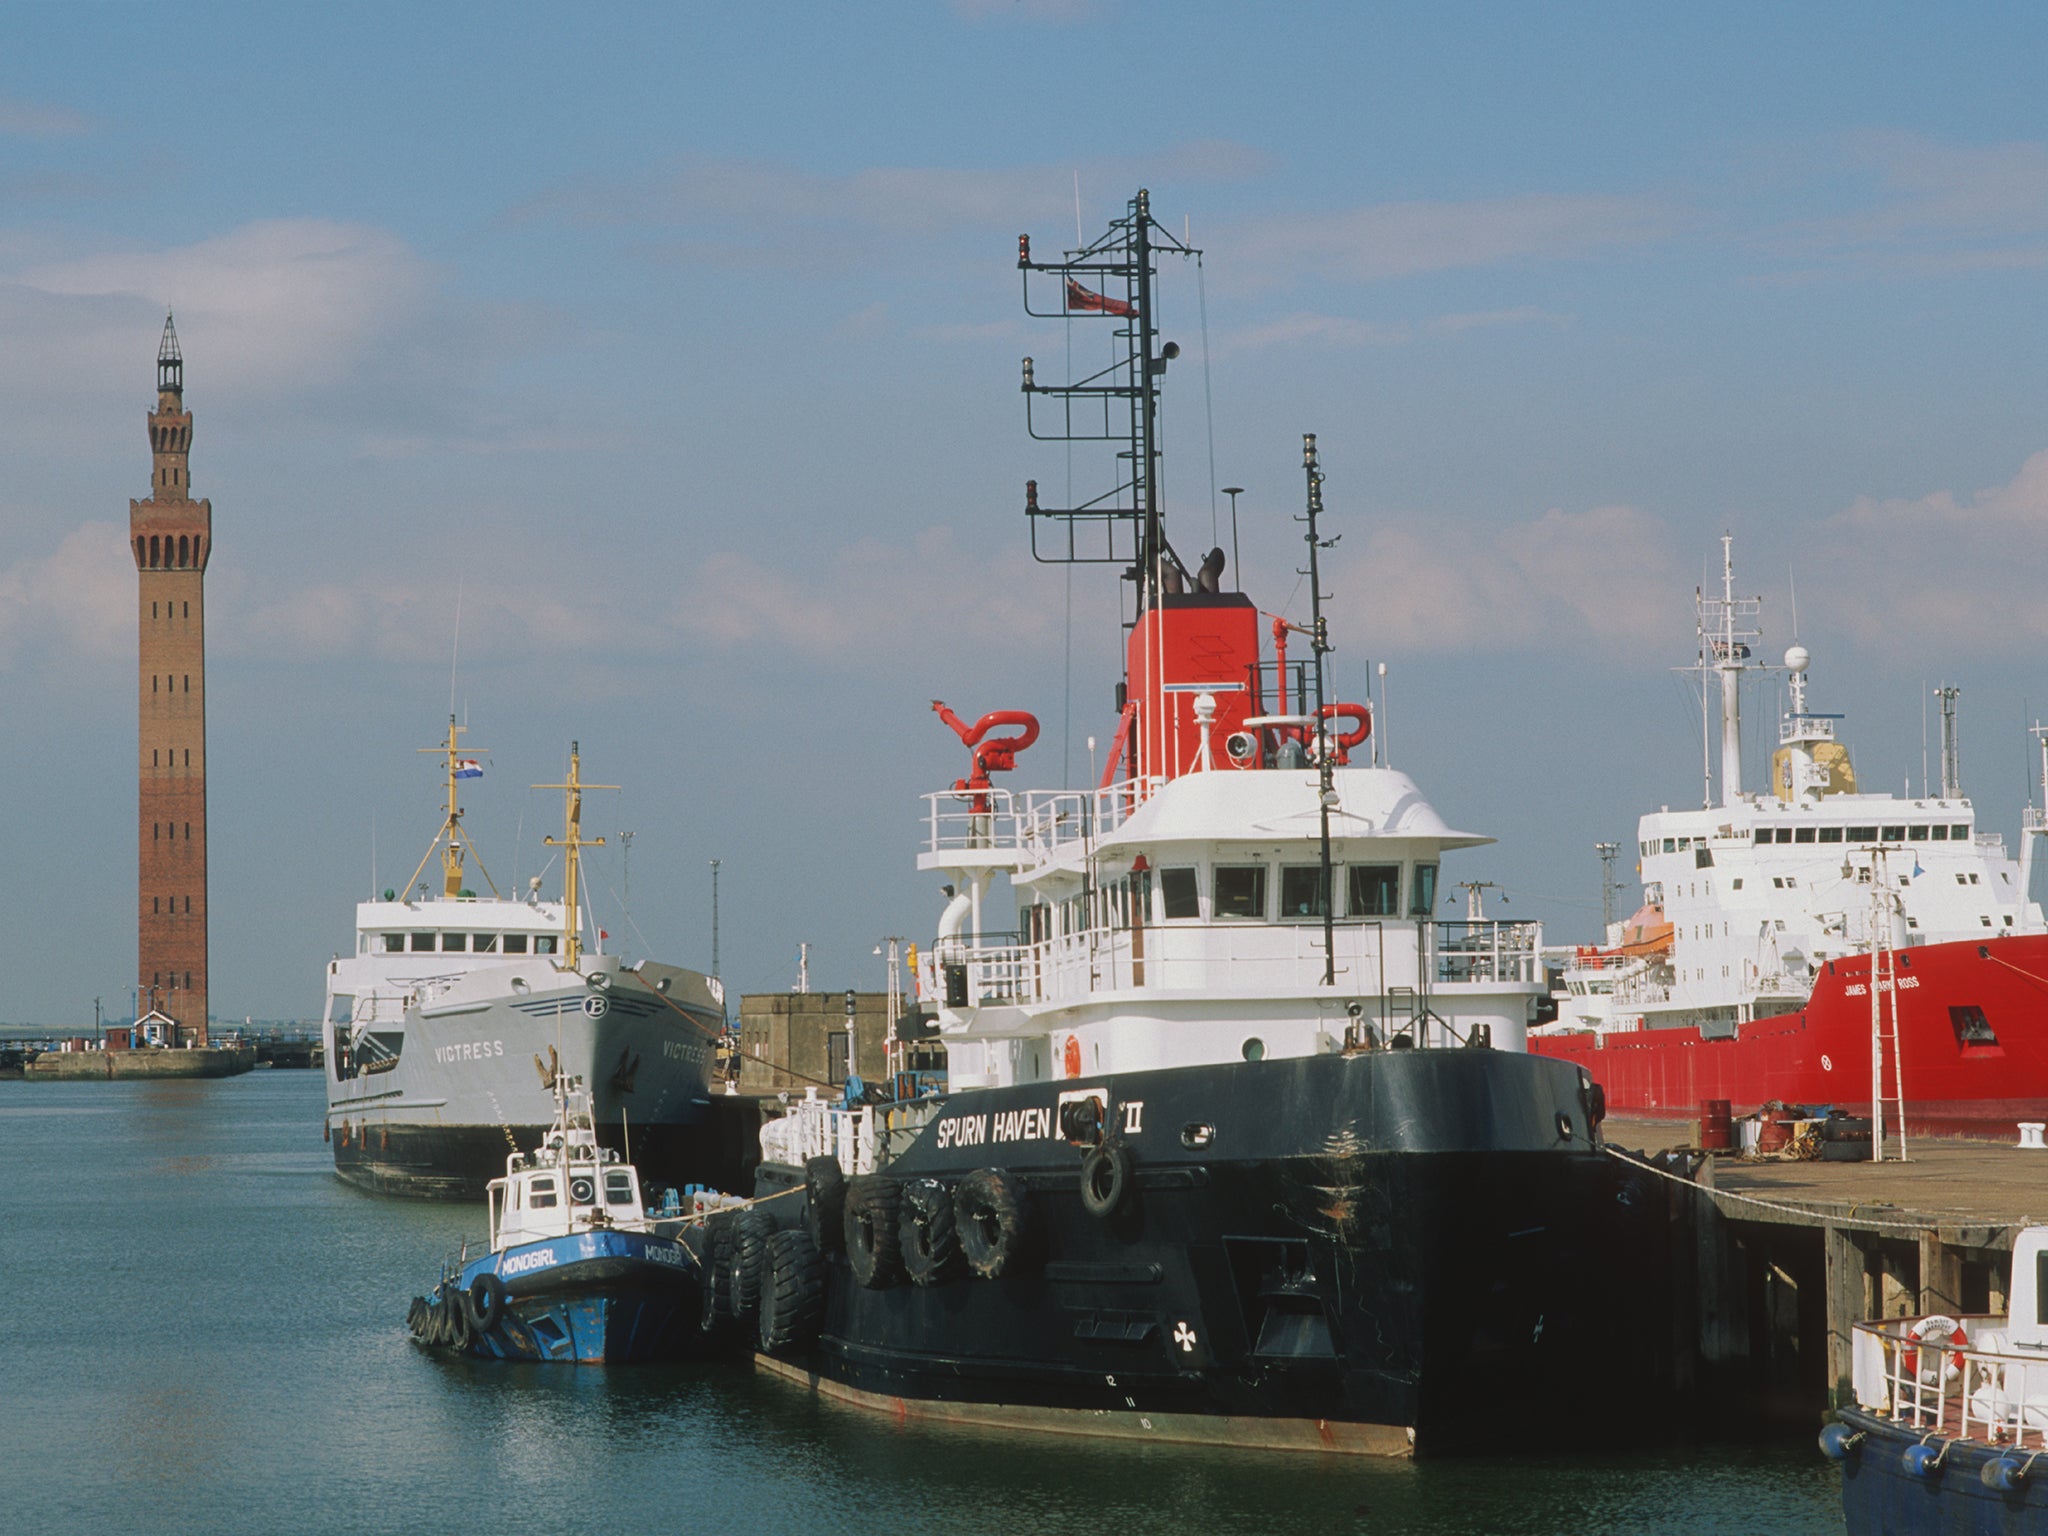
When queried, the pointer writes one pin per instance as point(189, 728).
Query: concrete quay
point(1789, 1254)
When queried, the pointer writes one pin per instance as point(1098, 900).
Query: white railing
point(1035, 823)
point(815, 1128)
point(1239, 958)
point(1984, 1389)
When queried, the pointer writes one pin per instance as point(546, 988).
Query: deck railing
point(1984, 1389)
point(1371, 957)
point(1031, 825)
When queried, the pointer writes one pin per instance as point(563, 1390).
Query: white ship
point(446, 1025)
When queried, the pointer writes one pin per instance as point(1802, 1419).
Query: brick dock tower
point(172, 536)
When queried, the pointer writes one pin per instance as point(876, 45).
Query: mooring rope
point(1798, 1210)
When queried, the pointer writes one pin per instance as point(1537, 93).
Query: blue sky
point(677, 345)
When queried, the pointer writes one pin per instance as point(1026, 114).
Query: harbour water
point(203, 1331)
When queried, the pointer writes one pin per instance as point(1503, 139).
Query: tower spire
point(170, 362)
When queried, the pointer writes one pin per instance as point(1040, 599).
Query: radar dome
point(1797, 659)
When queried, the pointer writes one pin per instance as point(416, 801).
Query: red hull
point(1821, 1054)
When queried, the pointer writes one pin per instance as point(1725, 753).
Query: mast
point(1726, 626)
point(572, 843)
point(2033, 829)
point(1324, 737)
point(1951, 745)
point(451, 840)
point(1116, 405)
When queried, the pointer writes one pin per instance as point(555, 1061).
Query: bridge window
point(1831, 834)
point(618, 1187)
point(1958, 834)
point(544, 944)
point(1375, 890)
point(422, 943)
point(1894, 834)
point(1422, 900)
point(394, 943)
point(454, 941)
point(484, 943)
point(1917, 834)
point(543, 1194)
point(1180, 893)
point(515, 943)
point(1241, 890)
point(1303, 891)
point(1802, 834)
point(1939, 834)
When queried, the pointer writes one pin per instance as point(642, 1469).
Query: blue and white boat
point(1948, 1435)
point(578, 1269)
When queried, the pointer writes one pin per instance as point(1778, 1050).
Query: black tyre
point(486, 1302)
point(991, 1219)
point(824, 1203)
point(792, 1291)
point(714, 1273)
point(1105, 1177)
point(751, 1230)
point(927, 1233)
point(873, 1209)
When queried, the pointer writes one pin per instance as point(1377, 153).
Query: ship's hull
point(1365, 1253)
point(1972, 1019)
point(431, 1106)
point(594, 1298)
point(1892, 1486)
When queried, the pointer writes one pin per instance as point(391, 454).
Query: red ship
point(1748, 974)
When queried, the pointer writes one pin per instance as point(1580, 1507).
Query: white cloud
point(1295, 329)
point(75, 602)
point(39, 120)
point(1941, 572)
point(1392, 240)
point(1604, 575)
point(280, 303)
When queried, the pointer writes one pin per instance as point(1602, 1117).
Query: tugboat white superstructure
point(576, 1269)
point(1241, 1143)
point(446, 1027)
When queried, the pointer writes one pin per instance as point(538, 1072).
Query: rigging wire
point(1209, 406)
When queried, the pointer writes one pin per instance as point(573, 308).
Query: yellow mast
point(451, 839)
point(572, 842)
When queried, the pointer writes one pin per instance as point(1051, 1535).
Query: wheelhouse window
point(1802, 834)
point(1917, 834)
point(1894, 834)
point(1241, 890)
point(543, 1194)
point(1939, 834)
point(1422, 901)
point(484, 943)
point(515, 943)
point(1831, 834)
point(1303, 891)
point(1863, 834)
point(1958, 834)
point(1180, 893)
point(618, 1187)
point(454, 941)
point(544, 944)
point(1375, 890)
point(422, 943)
point(394, 943)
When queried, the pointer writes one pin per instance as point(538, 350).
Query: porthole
point(1255, 1049)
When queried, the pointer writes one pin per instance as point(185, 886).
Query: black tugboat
point(1241, 1143)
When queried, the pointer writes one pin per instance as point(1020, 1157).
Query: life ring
point(1105, 1177)
point(486, 1302)
point(824, 1203)
point(991, 1218)
point(874, 1210)
point(928, 1233)
point(1938, 1327)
